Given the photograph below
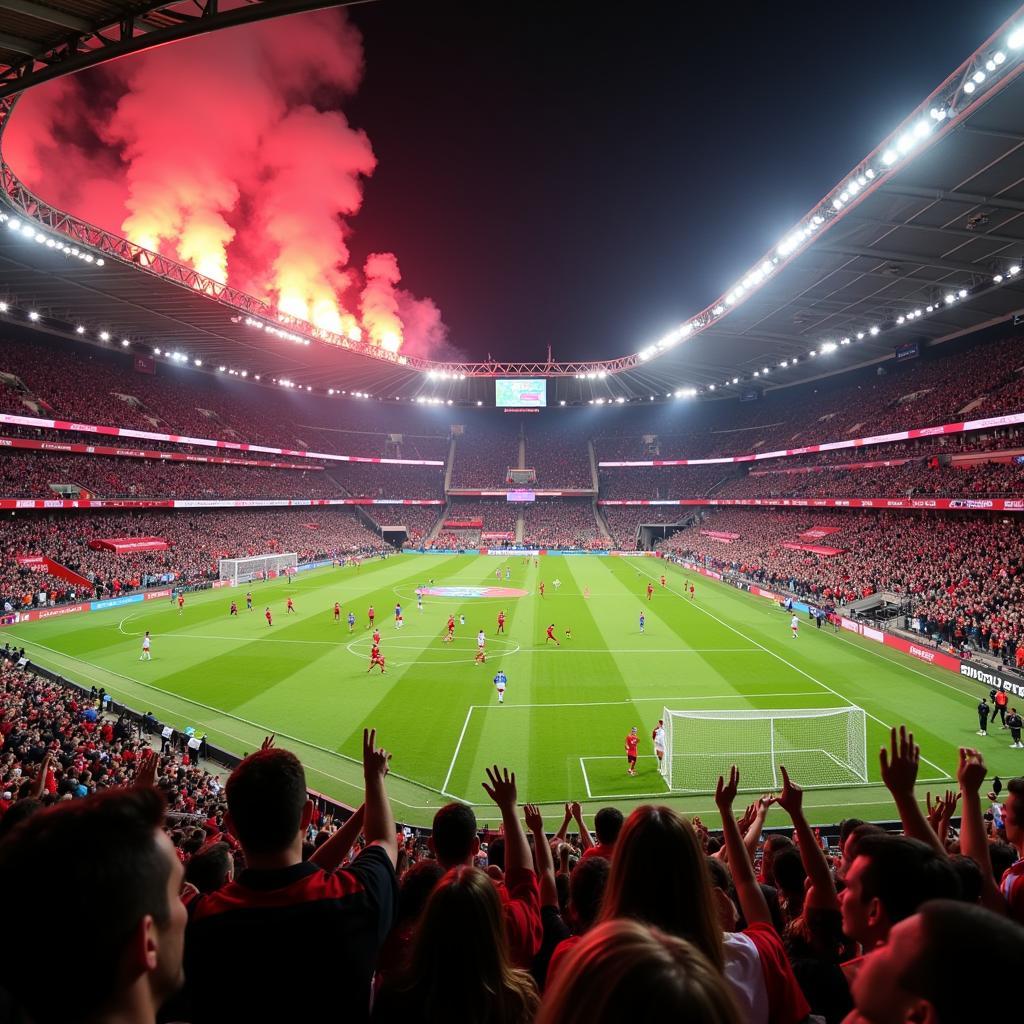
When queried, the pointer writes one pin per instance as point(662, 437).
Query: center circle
point(470, 592)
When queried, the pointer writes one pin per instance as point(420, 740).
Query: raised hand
point(576, 810)
point(268, 742)
point(38, 786)
point(502, 789)
point(970, 773)
point(534, 819)
point(791, 799)
point(725, 792)
point(375, 761)
point(900, 763)
point(748, 817)
point(149, 762)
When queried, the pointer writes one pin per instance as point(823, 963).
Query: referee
point(983, 712)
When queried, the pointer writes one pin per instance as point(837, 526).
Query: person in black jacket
point(983, 712)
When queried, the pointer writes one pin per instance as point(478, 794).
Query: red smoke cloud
point(221, 152)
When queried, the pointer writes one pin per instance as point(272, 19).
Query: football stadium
point(422, 532)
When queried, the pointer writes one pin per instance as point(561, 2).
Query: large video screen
point(521, 394)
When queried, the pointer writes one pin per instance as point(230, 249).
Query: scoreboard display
point(521, 393)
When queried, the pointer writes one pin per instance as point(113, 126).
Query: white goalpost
point(819, 746)
point(258, 567)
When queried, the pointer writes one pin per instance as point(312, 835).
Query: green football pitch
point(567, 709)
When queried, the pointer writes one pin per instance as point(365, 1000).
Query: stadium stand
point(564, 523)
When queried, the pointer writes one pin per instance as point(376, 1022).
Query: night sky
point(555, 174)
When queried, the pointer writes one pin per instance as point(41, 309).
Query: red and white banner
point(465, 492)
point(128, 545)
point(881, 463)
point(901, 435)
point(73, 448)
point(40, 563)
point(925, 504)
point(463, 524)
point(817, 532)
point(206, 442)
point(54, 504)
point(497, 535)
point(815, 549)
point(721, 535)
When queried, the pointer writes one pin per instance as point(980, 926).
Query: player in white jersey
point(481, 656)
point(146, 655)
point(658, 736)
point(556, 583)
point(794, 624)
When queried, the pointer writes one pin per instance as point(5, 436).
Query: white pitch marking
point(586, 781)
point(458, 746)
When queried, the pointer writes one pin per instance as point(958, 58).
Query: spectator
point(607, 826)
point(283, 920)
point(460, 966)
point(110, 848)
point(929, 968)
point(621, 966)
point(587, 886)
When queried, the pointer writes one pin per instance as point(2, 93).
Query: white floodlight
point(79, 329)
point(33, 315)
point(1014, 270)
point(969, 87)
point(829, 346)
point(106, 337)
point(962, 293)
point(125, 343)
point(889, 157)
point(979, 77)
point(873, 331)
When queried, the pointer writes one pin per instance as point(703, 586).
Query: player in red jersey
point(631, 742)
point(376, 658)
point(663, 581)
point(376, 638)
point(541, 588)
point(501, 623)
point(337, 612)
point(650, 591)
point(268, 617)
point(691, 591)
point(369, 615)
point(234, 608)
point(181, 603)
point(289, 607)
point(451, 630)
point(551, 636)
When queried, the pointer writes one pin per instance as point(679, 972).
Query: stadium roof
point(44, 39)
point(921, 242)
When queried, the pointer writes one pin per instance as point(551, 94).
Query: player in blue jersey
point(643, 620)
point(500, 681)
point(351, 621)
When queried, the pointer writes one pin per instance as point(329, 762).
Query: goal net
point(819, 747)
point(259, 567)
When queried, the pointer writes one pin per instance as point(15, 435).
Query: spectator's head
point(848, 845)
point(459, 962)
point(890, 877)
point(417, 885)
point(773, 846)
point(621, 965)
point(1013, 813)
point(969, 875)
point(1001, 854)
point(790, 876)
point(112, 845)
point(586, 890)
point(608, 825)
point(496, 854)
point(659, 876)
point(454, 839)
point(269, 809)
point(211, 868)
point(930, 968)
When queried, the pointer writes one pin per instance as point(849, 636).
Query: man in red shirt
point(501, 623)
point(370, 614)
point(455, 843)
point(631, 742)
point(284, 918)
point(290, 607)
point(337, 612)
point(541, 588)
point(551, 636)
point(376, 638)
point(181, 603)
point(451, 629)
point(663, 581)
point(268, 617)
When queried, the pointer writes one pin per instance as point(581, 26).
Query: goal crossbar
point(256, 567)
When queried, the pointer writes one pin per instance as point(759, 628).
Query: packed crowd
point(418, 520)
point(373, 480)
point(559, 452)
point(498, 515)
point(485, 453)
point(624, 520)
point(196, 541)
point(962, 575)
point(666, 481)
point(25, 474)
point(912, 479)
point(207, 888)
point(561, 523)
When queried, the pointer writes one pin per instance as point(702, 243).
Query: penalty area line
point(455, 756)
